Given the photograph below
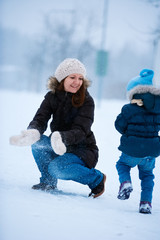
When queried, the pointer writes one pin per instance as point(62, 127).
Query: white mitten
point(57, 144)
point(26, 138)
point(159, 133)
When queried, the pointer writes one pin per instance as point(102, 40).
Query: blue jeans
point(65, 167)
point(145, 166)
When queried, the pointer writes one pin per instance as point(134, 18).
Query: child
point(139, 124)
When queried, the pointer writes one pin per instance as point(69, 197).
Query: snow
point(69, 214)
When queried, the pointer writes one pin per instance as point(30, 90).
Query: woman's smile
point(73, 83)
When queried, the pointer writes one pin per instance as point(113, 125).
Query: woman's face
point(73, 82)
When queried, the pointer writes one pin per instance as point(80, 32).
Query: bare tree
point(155, 33)
point(56, 44)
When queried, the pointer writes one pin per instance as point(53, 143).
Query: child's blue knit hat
point(141, 83)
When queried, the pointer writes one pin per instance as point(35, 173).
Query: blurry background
point(114, 39)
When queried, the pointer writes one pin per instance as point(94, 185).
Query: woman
point(70, 152)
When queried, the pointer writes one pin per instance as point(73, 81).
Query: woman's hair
point(78, 97)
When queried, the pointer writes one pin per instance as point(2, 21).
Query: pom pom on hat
point(141, 83)
point(69, 66)
point(145, 78)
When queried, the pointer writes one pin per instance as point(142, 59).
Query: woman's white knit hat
point(69, 66)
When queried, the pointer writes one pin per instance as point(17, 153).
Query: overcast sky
point(127, 20)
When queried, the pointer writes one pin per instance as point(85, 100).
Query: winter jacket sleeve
point(82, 123)
point(42, 115)
point(121, 121)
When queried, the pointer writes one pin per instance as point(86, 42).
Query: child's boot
point(125, 190)
point(145, 207)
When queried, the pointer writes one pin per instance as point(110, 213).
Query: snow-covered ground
point(26, 214)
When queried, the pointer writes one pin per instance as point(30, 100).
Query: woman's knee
point(42, 144)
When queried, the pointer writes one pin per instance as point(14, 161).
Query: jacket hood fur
point(143, 89)
point(52, 83)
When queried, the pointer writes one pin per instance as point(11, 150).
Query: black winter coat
point(73, 123)
point(139, 127)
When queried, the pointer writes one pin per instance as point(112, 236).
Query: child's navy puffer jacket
point(140, 127)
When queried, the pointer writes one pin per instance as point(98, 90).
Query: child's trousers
point(145, 166)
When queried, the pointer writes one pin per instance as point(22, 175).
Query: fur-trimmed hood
point(143, 89)
point(53, 83)
point(150, 97)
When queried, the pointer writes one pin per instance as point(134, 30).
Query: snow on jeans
point(145, 166)
point(65, 167)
